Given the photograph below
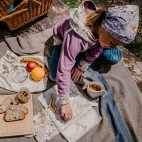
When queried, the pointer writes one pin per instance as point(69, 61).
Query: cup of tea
point(95, 89)
point(24, 95)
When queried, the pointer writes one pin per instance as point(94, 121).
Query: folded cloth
point(30, 45)
point(13, 74)
point(44, 127)
point(85, 117)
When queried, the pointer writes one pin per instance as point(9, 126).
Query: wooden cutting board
point(16, 128)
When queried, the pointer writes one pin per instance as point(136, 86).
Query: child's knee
point(54, 62)
point(112, 56)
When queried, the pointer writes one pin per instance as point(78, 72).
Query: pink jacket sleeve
point(71, 46)
point(93, 53)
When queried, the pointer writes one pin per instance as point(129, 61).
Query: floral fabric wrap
point(121, 22)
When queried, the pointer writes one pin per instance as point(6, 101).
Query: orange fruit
point(37, 73)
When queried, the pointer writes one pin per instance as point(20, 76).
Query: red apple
point(30, 66)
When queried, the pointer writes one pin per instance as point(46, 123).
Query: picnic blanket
point(121, 109)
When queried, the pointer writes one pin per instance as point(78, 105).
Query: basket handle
point(13, 14)
point(18, 12)
point(37, 2)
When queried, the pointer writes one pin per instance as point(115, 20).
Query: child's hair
point(96, 17)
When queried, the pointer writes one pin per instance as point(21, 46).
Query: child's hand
point(66, 112)
point(76, 75)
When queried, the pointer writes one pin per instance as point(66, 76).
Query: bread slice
point(4, 105)
point(18, 108)
point(15, 113)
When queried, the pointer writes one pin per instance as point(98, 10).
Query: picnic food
point(30, 66)
point(24, 95)
point(15, 113)
point(95, 87)
point(37, 61)
point(37, 73)
point(53, 103)
point(18, 107)
point(4, 105)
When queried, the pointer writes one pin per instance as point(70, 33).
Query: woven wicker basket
point(25, 12)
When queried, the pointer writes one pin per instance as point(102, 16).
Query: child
point(94, 32)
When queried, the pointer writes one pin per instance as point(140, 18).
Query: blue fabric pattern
point(111, 110)
point(13, 5)
point(11, 9)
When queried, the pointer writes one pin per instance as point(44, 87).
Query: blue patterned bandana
point(121, 22)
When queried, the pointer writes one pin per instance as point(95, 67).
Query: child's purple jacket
point(72, 45)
